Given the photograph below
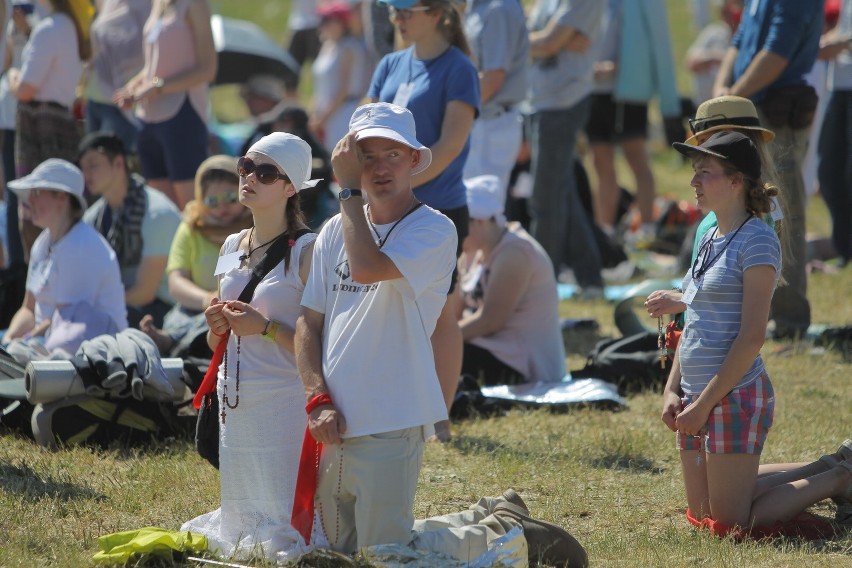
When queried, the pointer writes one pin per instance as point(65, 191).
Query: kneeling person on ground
point(379, 281)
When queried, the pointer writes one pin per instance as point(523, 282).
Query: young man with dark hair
point(138, 221)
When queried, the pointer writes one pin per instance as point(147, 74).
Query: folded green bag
point(119, 548)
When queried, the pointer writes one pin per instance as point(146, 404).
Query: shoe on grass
point(512, 497)
point(548, 544)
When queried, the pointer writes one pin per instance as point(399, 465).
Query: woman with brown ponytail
point(719, 398)
point(435, 79)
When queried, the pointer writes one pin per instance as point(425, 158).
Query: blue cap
point(402, 4)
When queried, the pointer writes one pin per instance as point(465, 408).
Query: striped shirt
point(714, 315)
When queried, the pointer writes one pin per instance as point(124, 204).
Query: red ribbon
point(306, 482)
point(208, 385)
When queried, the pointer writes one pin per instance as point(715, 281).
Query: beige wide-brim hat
point(726, 113)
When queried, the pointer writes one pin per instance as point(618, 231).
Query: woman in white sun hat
point(259, 390)
point(510, 322)
point(58, 292)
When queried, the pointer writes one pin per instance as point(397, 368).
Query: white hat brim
point(23, 186)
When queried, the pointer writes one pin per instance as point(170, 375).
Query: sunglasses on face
point(213, 201)
point(405, 13)
point(265, 173)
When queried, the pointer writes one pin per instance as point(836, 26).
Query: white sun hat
point(53, 174)
point(393, 122)
point(484, 198)
point(291, 154)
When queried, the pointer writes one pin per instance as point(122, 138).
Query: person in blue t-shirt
point(718, 397)
point(435, 79)
point(774, 48)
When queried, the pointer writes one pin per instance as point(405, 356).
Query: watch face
point(344, 194)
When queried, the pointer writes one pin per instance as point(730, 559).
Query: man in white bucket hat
point(379, 279)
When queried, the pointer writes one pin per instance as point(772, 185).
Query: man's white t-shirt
point(377, 351)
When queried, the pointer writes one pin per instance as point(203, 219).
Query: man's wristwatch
point(347, 192)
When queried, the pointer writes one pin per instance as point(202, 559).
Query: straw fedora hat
point(725, 113)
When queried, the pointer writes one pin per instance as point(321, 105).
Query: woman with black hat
point(718, 397)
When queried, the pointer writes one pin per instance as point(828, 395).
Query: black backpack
point(632, 363)
point(84, 419)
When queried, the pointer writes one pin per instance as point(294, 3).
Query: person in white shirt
point(63, 303)
point(380, 277)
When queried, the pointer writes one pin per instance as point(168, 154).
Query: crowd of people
point(399, 271)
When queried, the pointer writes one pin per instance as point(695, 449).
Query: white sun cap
point(385, 120)
point(291, 154)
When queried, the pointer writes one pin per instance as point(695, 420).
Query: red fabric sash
point(208, 385)
point(302, 518)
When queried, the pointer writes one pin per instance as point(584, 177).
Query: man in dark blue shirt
point(774, 48)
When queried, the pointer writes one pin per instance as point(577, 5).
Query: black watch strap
point(348, 192)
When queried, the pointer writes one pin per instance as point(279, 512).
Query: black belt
point(45, 104)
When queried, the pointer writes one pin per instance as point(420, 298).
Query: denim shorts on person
point(173, 149)
point(460, 217)
point(738, 424)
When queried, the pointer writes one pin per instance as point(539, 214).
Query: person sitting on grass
point(510, 321)
point(74, 289)
point(215, 213)
point(718, 397)
point(138, 221)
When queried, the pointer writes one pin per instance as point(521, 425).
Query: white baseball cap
point(291, 154)
point(385, 120)
point(484, 198)
point(53, 174)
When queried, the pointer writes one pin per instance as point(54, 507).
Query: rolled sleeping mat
point(47, 381)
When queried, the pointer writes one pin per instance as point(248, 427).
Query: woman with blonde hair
point(215, 213)
point(435, 79)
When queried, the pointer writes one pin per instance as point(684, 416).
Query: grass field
point(612, 479)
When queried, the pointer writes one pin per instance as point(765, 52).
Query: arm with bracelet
point(325, 423)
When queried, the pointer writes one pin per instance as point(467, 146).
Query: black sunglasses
point(265, 173)
point(213, 201)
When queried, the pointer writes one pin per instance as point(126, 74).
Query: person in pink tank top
point(170, 95)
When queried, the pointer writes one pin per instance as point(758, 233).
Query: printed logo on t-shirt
point(343, 271)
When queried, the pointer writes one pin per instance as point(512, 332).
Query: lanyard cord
point(704, 252)
point(398, 221)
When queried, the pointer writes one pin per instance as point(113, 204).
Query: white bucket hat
point(291, 154)
point(484, 198)
point(53, 174)
point(385, 120)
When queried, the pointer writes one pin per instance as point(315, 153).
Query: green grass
point(612, 479)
